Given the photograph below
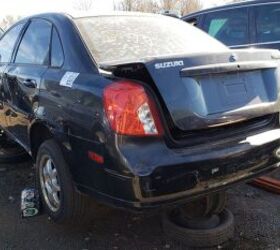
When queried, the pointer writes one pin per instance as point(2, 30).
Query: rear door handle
point(30, 83)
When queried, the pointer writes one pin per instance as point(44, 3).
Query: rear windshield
point(132, 38)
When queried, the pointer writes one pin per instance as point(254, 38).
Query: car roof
point(83, 14)
point(231, 5)
point(56, 17)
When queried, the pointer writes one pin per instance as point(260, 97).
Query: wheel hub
point(49, 182)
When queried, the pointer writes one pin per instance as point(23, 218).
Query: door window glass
point(230, 27)
point(7, 43)
point(57, 56)
point(268, 23)
point(34, 47)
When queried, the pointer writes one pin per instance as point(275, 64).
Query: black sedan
point(139, 111)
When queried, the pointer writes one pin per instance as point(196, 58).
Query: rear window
point(230, 27)
point(131, 38)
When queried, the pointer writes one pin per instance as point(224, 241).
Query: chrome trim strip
point(252, 44)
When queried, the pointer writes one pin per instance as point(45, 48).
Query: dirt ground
point(257, 218)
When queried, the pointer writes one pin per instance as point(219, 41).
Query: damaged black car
point(138, 111)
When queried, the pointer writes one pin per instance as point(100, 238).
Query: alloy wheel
point(50, 185)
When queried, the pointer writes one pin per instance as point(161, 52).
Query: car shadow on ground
point(256, 217)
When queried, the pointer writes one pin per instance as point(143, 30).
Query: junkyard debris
point(29, 202)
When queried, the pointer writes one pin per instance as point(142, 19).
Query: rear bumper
point(155, 176)
point(158, 203)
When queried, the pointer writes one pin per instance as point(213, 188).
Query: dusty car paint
point(191, 159)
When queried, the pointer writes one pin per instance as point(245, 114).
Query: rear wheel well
point(38, 134)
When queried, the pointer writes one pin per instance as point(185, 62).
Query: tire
point(73, 207)
point(10, 151)
point(219, 202)
point(218, 235)
point(211, 204)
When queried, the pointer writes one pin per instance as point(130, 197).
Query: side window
point(7, 43)
point(230, 26)
point(34, 46)
point(267, 23)
point(57, 56)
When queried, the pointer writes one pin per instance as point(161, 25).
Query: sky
point(29, 7)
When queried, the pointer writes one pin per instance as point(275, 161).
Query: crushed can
point(29, 202)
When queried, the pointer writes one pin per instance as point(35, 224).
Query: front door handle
point(30, 83)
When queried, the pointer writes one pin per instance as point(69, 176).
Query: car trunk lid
point(212, 90)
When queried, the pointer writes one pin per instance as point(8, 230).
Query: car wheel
point(58, 195)
point(209, 231)
point(10, 151)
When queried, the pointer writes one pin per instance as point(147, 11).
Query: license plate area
point(227, 92)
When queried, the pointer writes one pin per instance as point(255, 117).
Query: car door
point(231, 27)
point(7, 45)
point(23, 77)
point(267, 26)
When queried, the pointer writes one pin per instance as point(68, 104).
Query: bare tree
point(8, 21)
point(82, 5)
point(126, 5)
point(169, 4)
point(154, 6)
point(188, 6)
point(137, 5)
point(148, 6)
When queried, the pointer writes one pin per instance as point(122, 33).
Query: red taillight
point(130, 111)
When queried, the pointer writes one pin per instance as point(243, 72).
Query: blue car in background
point(248, 24)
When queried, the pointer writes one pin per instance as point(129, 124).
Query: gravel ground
point(256, 216)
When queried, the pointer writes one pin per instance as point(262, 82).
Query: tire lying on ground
point(194, 237)
point(211, 204)
point(10, 151)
